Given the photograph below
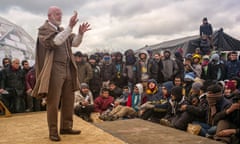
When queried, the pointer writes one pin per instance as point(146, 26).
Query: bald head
point(55, 15)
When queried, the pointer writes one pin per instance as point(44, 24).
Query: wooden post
point(5, 109)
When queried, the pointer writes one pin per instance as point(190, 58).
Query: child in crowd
point(103, 102)
point(129, 111)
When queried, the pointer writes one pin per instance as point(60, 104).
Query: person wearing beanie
point(217, 103)
point(216, 69)
point(230, 89)
point(151, 95)
point(228, 123)
point(175, 116)
point(196, 88)
point(83, 103)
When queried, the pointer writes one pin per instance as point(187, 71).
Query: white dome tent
point(15, 42)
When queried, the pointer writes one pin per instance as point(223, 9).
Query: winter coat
point(79, 97)
point(199, 113)
point(169, 70)
point(108, 72)
point(206, 29)
point(30, 79)
point(44, 60)
point(232, 69)
point(120, 77)
point(141, 68)
point(95, 83)
point(134, 100)
point(216, 71)
point(101, 104)
point(84, 72)
point(13, 81)
point(154, 70)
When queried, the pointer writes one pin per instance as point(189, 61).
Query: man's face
point(92, 61)
point(6, 62)
point(164, 90)
point(205, 21)
point(16, 64)
point(105, 94)
point(135, 90)
point(157, 57)
point(177, 82)
point(56, 17)
point(26, 65)
point(85, 90)
point(166, 55)
point(78, 59)
point(233, 57)
point(112, 86)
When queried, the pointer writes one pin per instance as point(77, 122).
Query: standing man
point(206, 30)
point(56, 70)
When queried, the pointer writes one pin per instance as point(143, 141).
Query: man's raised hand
point(73, 20)
point(84, 27)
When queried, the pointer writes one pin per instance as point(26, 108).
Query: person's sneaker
point(29, 110)
point(209, 136)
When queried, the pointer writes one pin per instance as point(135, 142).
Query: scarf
point(212, 101)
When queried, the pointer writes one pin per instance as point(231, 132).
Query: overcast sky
point(123, 24)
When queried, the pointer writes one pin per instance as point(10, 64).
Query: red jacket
point(101, 104)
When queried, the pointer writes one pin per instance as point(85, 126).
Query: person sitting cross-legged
point(83, 105)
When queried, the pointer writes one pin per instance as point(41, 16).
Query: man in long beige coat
point(56, 70)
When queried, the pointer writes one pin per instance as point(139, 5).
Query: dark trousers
point(14, 103)
point(84, 111)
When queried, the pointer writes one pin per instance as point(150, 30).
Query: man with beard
point(56, 70)
point(155, 67)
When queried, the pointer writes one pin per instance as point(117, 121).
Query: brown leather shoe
point(54, 138)
point(69, 132)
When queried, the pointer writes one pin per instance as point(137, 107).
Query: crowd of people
point(169, 88)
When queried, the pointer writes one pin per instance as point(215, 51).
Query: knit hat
point(78, 53)
point(84, 85)
point(196, 86)
point(153, 81)
point(205, 57)
point(92, 57)
point(215, 57)
point(177, 92)
point(168, 85)
point(188, 55)
point(230, 85)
